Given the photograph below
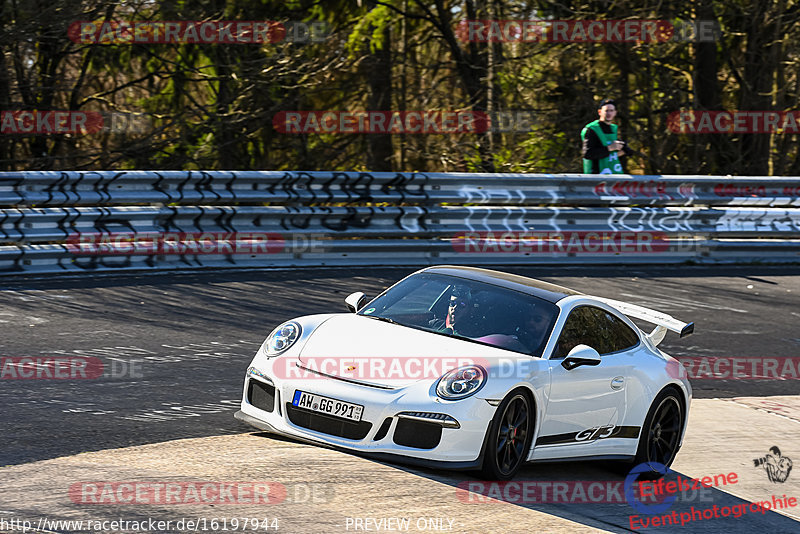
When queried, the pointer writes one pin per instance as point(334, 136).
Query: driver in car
point(460, 311)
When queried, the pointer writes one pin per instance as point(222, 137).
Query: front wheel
point(661, 434)
point(509, 438)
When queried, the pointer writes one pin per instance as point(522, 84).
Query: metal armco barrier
point(120, 220)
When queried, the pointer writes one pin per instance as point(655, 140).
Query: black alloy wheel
point(664, 432)
point(509, 438)
point(660, 438)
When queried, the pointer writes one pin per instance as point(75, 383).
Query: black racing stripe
point(628, 432)
point(556, 438)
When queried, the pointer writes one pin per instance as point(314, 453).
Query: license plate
point(327, 405)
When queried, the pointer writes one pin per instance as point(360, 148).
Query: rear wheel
point(509, 438)
point(661, 434)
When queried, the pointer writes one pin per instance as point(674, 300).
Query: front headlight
point(282, 338)
point(461, 383)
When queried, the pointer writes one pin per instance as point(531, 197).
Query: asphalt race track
point(175, 347)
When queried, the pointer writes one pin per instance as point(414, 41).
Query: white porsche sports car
point(467, 368)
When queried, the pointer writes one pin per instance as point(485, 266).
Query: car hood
point(367, 350)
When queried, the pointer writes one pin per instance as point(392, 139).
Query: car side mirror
point(581, 355)
point(355, 301)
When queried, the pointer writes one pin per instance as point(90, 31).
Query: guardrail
point(116, 220)
point(109, 188)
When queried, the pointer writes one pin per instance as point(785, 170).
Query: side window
point(611, 333)
point(587, 325)
point(618, 335)
point(576, 331)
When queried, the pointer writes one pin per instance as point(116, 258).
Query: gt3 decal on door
point(590, 434)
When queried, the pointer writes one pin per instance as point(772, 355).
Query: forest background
point(185, 105)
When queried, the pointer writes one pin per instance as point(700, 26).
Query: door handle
point(617, 382)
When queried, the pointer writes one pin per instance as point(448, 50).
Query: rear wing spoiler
point(662, 321)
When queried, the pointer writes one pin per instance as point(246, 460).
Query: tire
point(661, 434)
point(508, 440)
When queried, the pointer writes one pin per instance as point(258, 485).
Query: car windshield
point(468, 309)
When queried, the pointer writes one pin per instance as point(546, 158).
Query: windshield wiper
point(448, 333)
point(379, 318)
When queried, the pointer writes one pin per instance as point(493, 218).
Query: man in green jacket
point(602, 152)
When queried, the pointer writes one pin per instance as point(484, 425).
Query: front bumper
point(395, 424)
point(261, 425)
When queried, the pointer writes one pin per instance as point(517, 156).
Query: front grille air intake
point(417, 434)
point(327, 424)
point(261, 395)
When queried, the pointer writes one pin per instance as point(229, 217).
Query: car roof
point(543, 290)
